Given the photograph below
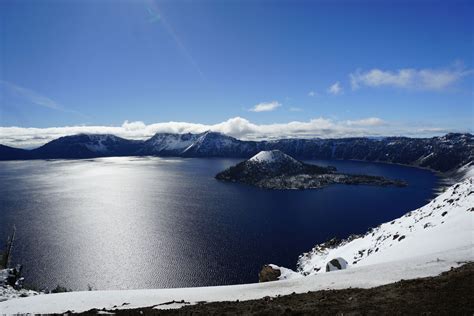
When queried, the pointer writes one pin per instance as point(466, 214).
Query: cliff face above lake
point(276, 170)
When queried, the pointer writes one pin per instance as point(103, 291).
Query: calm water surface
point(126, 223)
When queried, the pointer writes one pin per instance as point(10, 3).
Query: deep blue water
point(122, 223)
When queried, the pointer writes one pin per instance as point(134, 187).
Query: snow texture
point(272, 156)
point(361, 277)
point(170, 142)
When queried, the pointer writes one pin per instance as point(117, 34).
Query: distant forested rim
point(443, 153)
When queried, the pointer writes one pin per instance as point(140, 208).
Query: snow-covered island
point(276, 170)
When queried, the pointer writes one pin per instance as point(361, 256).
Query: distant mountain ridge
point(86, 146)
point(443, 153)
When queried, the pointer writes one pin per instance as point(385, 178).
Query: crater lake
point(148, 222)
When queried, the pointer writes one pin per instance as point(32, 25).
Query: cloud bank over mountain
point(30, 137)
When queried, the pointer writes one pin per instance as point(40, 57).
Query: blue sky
point(405, 65)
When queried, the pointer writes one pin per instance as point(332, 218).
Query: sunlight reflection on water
point(143, 222)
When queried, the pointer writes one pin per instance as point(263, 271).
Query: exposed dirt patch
point(447, 294)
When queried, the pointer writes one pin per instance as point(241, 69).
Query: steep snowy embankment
point(445, 223)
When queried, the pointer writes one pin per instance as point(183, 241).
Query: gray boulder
point(336, 264)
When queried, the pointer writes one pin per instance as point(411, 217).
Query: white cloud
point(409, 78)
point(237, 127)
point(133, 126)
point(370, 121)
point(312, 94)
point(335, 89)
point(265, 106)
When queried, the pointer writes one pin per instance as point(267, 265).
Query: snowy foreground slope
point(445, 223)
point(437, 237)
point(361, 277)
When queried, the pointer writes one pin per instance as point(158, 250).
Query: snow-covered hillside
point(87, 146)
point(168, 144)
point(464, 172)
point(213, 144)
point(445, 223)
point(207, 144)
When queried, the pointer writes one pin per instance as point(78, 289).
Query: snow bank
point(7, 292)
point(362, 277)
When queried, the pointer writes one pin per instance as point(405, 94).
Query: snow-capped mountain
point(87, 146)
point(167, 144)
point(213, 144)
point(445, 223)
point(445, 154)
